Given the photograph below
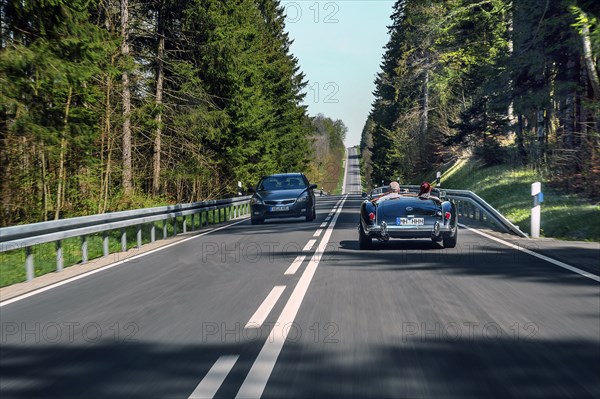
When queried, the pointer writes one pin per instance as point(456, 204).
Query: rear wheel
point(364, 241)
point(450, 238)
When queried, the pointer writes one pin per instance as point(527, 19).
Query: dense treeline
point(328, 151)
point(517, 81)
point(109, 104)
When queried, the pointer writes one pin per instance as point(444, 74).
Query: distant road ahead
point(352, 173)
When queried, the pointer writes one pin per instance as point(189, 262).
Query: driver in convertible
point(393, 192)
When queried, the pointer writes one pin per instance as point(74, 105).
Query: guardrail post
point(105, 243)
point(175, 226)
point(139, 235)
point(59, 256)
point(29, 264)
point(165, 231)
point(192, 217)
point(123, 240)
point(153, 232)
point(84, 249)
point(184, 224)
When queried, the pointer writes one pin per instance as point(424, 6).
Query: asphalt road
point(252, 311)
point(353, 185)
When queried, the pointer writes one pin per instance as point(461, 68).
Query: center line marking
point(309, 245)
point(210, 384)
point(295, 265)
point(265, 308)
point(256, 380)
point(318, 233)
point(323, 224)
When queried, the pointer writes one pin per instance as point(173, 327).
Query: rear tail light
point(371, 216)
point(448, 215)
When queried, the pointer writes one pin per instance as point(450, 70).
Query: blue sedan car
point(281, 196)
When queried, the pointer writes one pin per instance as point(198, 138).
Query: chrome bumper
point(385, 229)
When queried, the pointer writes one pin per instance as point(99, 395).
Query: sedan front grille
point(280, 202)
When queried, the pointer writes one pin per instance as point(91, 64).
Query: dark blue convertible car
point(406, 215)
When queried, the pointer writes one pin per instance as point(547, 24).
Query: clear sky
point(339, 45)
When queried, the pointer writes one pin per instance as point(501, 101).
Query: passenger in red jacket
point(425, 192)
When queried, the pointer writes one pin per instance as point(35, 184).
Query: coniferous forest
point(515, 82)
point(114, 104)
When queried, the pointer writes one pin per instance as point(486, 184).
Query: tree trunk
point(61, 167)
point(424, 119)
point(160, 75)
point(126, 158)
point(45, 193)
point(589, 58)
point(522, 154)
point(107, 174)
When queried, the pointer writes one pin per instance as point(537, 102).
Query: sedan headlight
point(303, 198)
point(256, 201)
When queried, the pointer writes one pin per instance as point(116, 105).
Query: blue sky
point(339, 45)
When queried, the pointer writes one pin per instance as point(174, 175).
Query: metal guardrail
point(26, 236)
point(470, 204)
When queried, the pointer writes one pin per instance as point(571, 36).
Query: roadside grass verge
point(12, 263)
point(564, 216)
point(340, 183)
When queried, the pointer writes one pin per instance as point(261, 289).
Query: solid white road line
point(309, 245)
point(318, 233)
point(540, 256)
point(67, 281)
point(295, 265)
point(265, 308)
point(256, 380)
point(211, 383)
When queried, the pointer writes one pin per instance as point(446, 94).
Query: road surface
point(295, 309)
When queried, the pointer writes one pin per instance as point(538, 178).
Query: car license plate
point(410, 221)
point(279, 208)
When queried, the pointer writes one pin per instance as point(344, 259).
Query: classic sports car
point(406, 215)
point(281, 196)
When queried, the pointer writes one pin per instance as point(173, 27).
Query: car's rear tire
point(364, 241)
point(256, 220)
point(450, 238)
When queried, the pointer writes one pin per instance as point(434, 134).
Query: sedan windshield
point(272, 183)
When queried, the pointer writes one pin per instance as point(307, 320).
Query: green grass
point(12, 263)
point(340, 183)
point(563, 215)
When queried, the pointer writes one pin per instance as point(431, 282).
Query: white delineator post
point(536, 189)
